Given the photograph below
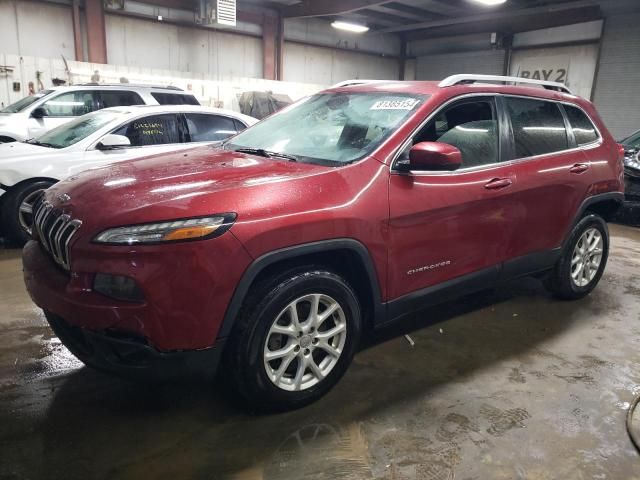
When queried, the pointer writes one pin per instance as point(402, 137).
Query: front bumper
point(131, 356)
point(186, 288)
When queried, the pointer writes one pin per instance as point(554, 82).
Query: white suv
point(98, 139)
point(34, 115)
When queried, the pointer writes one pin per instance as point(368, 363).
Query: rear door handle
point(579, 168)
point(497, 183)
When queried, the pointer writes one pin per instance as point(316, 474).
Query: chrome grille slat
point(55, 231)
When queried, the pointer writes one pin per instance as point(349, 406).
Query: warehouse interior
point(507, 382)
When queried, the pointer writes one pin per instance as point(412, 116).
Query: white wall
point(146, 44)
point(308, 64)
point(35, 28)
point(222, 93)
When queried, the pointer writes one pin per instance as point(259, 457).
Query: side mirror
point(111, 142)
point(39, 112)
point(434, 156)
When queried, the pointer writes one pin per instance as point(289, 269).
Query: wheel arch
point(346, 257)
point(604, 205)
point(30, 180)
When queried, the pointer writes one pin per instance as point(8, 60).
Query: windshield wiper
point(266, 153)
point(33, 141)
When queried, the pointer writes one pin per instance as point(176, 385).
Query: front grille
point(55, 230)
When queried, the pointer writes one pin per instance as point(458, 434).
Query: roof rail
point(471, 78)
point(136, 85)
point(349, 83)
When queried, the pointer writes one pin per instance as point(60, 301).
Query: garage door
point(437, 67)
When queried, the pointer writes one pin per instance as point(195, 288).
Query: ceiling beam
point(406, 11)
point(315, 8)
point(487, 17)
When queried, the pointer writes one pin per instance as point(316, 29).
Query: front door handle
point(579, 168)
point(497, 183)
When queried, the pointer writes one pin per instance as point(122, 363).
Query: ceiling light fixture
point(490, 3)
point(350, 27)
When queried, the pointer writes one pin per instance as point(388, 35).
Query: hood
point(13, 150)
point(19, 161)
point(202, 181)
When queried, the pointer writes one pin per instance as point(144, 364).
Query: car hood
point(20, 161)
point(10, 151)
point(201, 181)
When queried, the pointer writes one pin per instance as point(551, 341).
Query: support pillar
point(96, 31)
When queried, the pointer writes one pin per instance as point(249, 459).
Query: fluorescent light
point(350, 27)
point(491, 2)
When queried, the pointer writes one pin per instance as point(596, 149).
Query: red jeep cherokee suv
point(272, 253)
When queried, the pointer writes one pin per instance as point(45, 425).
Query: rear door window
point(582, 128)
point(71, 104)
point(115, 98)
point(153, 130)
point(209, 128)
point(174, 98)
point(538, 126)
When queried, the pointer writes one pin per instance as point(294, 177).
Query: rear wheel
point(17, 212)
point(294, 339)
point(583, 261)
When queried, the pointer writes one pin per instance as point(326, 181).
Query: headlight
point(169, 231)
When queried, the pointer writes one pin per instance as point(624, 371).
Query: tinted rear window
point(116, 98)
point(582, 128)
point(174, 99)
point(538, 127)
point(208, 128)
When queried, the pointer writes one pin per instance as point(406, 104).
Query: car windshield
point(25, 102)
point(76, 130)
point(331, 128)
point(632, 141)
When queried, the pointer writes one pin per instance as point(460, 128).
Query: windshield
point(76, 130)
point(331, 128)
point(25, 102)
point(632, 141)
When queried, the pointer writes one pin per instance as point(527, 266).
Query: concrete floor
point(498, 386)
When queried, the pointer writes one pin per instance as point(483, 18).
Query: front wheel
point(17, 212)
point(583, 260)
point(294, 339)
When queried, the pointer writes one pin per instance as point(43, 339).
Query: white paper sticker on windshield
point(406, 104)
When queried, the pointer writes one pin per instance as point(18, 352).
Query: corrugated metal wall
point(38, 29)
point(141, 43)
point(303, 63)
point(617, 90)
point(437, 67)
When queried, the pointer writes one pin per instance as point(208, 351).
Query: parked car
point(97, 139)
point(272, 254)
point(631, 146)
point(34, 115)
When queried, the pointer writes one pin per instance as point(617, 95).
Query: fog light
point(118, 287)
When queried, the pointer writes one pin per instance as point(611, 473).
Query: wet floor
point(503, 385)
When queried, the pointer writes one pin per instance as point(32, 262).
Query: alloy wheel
point(305, 342)
point(586, 258)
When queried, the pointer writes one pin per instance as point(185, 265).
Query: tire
point(253, 378)
point(12, 219)
point(562, 281)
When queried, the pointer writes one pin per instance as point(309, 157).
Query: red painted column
point(270, 30)
point(77, 32)
point(96, 32)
